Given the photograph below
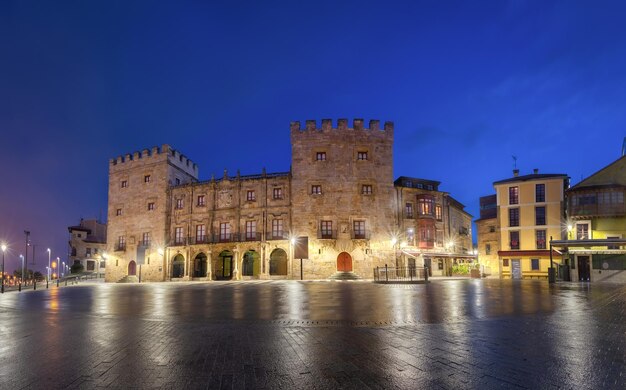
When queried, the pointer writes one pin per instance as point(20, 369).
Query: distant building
point(531, 209)
point(488, 231)
point(596, 211)
point(435, 230)
point(87, 245)
point(166, 224)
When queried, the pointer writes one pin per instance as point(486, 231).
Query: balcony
point(199, 240)
point(252, 236)
point(426, 243)
point(598, 210)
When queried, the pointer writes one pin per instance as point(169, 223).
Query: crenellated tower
point(342, 193)
point(139, 210)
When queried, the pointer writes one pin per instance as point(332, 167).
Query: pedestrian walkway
point(457, 334)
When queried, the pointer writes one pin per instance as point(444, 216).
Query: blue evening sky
point(468, 84)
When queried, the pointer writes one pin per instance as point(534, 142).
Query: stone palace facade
point(166, 224)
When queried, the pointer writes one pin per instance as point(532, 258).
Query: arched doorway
point(224, 266)
point(178, 266)
point(199, 266)
point(251, 266)
point(132, 268)
point(344, 262)
point(278, 262)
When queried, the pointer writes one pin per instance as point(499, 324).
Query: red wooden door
point(344, 262)
point(132, 268)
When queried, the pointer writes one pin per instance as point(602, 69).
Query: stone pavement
point(477, 334)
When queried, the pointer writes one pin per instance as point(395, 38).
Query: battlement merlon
point(163, 153)
point(342, 125)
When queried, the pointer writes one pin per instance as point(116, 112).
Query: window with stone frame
point(250, 230)
point(326, 229)
point(145, 239)
point(118, 212)
point(358, 228)
point(438, 212)
point(225, 231)
point(361, 156)
point(201, 233)
point(320, 156)
point(487, 249)
point(408, 210)
point(250, 195)
point(150, 206)
point(366, 189)
point(124, 184)
point(277, 193)
point(121, 243)
point(179, 203)
point(277, 228)
point(316, 189)
point(582, 231)
point(201, 200)
point(178, 236)
point(146, 179)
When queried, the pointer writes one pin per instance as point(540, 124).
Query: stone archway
point(178, 266)
point(200, 265)
point(278, 262)
point(223, 266)
point(344, 262)
point(251, 264)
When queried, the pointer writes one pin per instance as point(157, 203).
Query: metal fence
point(400, 274)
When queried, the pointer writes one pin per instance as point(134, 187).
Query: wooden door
point(132, 268)
point(344, 262)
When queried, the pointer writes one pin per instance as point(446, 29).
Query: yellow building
point(597, 215)
point(488, 235)
point(530, 211)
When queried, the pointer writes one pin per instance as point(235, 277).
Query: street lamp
point(4, 249)
point(22, 276)
point(48, 268)
point(63, 268)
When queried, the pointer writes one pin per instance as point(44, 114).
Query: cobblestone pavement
point(478, 334)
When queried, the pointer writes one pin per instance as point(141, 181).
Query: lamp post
point(57, 265)
point(22, 275)
point(4, 249)
point(48, 269)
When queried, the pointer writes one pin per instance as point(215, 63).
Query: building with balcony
point(530, 211)
point(596, 214)
point(87, 244)
point(164, 223)
point(434, 228)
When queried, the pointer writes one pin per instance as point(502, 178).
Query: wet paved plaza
point(452, 334)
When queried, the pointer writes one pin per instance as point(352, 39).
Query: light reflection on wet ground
point(450, 334)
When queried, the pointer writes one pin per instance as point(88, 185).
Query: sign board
point(141, 254)
point(301, 248)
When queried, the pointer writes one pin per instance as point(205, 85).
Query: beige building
point(531, 209)
point(87, 245)
point(165, 224)
point(488, 235)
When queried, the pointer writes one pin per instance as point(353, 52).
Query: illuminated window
point(514, 237)
point(361, 156)
point(582, 231)
point(438, 213)
point(540, 236)
point(320, 156)
point(366, 189)
point(316, 189)
point(425, 205)
point(278, 193)
point(359, 229)
point(326, 229)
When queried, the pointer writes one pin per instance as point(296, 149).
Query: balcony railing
point(600, 210)
point(278, 236)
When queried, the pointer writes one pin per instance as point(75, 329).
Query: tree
point(77, 268)
point(38, 276)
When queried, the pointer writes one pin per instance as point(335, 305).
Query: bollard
point(35, 285)
point(19, 288)
point(46, 283)
point(57, 282)
point(386, 274)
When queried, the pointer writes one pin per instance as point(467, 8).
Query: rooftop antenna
point(514, 162)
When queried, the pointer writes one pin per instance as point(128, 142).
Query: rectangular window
point(408, 210)
point(178, 236)
point(613, 246)
point(540, 236)
point(250, 230)
point(540, 215)
point(121, 243)
point(145, 239)
point(366, 189)
point(505, 262)
point(179, 203)
point(278, 193)
point(316, 189)
point(514, 236)
point(146, 179)
point(200, 234)
point(361, 156)
point(582, 231)
point(540, 192)
point(88, 252)
point(438, 213)
point(488, 249)
point(492, 229)
point(250, 196)
point(513, 195)
point(326, 229)
point(201, 200)
point(514, 216)
point(124, 183)
point(151, 206)
point(118, 212)
point(277, 228)
point(320, 156)
point(534, 264)
point(359, 229)
point(425, 205)
point(225, 231)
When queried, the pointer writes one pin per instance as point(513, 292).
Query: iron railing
point(400, 274)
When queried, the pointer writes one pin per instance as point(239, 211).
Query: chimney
point(515, 172)
point(535, 171)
